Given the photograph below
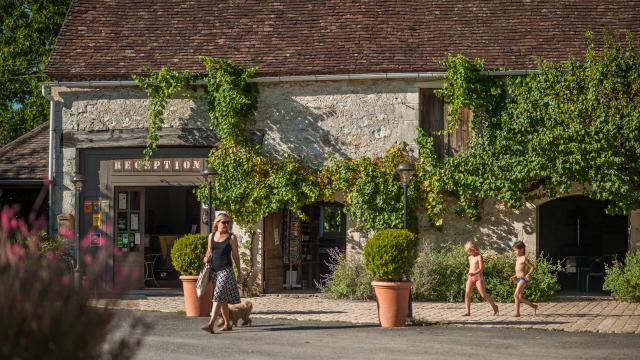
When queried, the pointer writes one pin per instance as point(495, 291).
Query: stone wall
point(317, 120)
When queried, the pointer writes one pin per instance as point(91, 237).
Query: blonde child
point(520, 278)
point(475, 277)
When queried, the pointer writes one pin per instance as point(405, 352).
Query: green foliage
point(371, 188)
point(542, 286)
point(442, 275)
point(28, 29)
point(468, 87)
point(160, 86)
point(390, 254)
point(568, 123)
point(230, 98)
point(623, 278)
point(57, 246)
point(187, 253)
point(250, 186)
point(348, 279)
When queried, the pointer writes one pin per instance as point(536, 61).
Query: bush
point(542, 287)
point(44, 316)
point(390, 254)
point(441, 276)
point(348, 279)
point(623, 278)
point(187, 253)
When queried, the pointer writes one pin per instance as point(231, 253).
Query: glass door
point(128, 238)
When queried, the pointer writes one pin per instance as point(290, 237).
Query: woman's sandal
point(227, 328)
point(208, 328)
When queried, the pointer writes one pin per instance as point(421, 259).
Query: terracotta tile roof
point(111, 39)
point(26, 158)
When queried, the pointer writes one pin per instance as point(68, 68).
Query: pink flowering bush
point(42, 314)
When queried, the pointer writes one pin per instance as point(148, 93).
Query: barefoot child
point(520, 278)
point(475, 277)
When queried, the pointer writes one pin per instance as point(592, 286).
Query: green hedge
point(187, 254)
point(441, 276)
point(623, 278)
point(390, 254)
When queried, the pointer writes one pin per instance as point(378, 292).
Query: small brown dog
point(237, 312)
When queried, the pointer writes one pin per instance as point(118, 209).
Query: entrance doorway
point(576, 231)
point(170, 213)
point(148, 220)
point(297, 249)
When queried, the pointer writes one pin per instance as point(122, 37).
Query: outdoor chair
point(597, 270)
point(149, 267)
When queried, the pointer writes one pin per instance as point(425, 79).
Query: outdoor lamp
point(209, 173)
point(78, 182)
point(405, 170)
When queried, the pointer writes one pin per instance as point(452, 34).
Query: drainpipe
point(51, 171)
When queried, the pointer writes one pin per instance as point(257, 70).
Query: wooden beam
point(138, 138)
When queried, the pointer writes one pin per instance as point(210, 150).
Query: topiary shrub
point(348, 279)
point(187, 253)
point(623, 278)
point(390, 254)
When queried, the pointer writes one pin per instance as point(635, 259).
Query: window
point(433, 119)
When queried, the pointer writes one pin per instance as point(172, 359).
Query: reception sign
point(137, 166)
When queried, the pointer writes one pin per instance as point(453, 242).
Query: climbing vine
point(567, 124)
point(536, 136)
point(160, 86)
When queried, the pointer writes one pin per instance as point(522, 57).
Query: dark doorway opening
point(170, 213)
point(307, 244)
point(576, 231)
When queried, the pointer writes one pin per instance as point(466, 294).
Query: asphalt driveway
point(175, 336)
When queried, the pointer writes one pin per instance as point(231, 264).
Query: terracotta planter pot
point(194, 305)
point(393, 298)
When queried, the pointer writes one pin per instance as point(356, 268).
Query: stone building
point(336, 78)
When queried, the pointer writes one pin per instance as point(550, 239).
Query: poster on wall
point(96, 239)
point(133, 223)
point(87, 206)
point(122, 201)
point(122, 221)
point(96, 206)
point(104, 206)
point(95, 220)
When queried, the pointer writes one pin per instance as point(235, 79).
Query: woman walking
point(222, 246)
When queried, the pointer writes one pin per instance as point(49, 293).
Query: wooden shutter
point(432, 118)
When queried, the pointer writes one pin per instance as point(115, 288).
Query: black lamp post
point(78, 183)
point(209, 173)
point(405, 170)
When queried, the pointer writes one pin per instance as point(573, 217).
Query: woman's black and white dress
point(225, 287)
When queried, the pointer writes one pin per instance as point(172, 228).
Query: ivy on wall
point(535, 136)
point(568, 123)
point(160, 86)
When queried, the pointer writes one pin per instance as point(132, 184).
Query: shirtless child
point(520, 278)
point(475, 277)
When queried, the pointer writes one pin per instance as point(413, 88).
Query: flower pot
point(194, 305)
point(393, 298)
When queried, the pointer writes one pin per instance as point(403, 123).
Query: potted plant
point(389, 256)
point(186, 256)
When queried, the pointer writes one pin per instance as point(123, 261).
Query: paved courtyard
point(605, 316)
